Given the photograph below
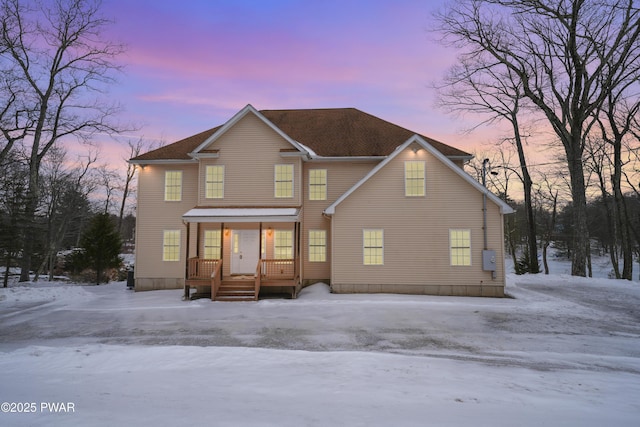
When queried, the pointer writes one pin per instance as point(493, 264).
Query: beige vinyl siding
point(341, 176)
point(416, 231)
point(249, 152)
point(153, 216)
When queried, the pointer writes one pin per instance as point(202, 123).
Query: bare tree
point(65, 191)
point(547, 195)
point(598, 162)
point(60, 63)
point(568, 56)
point(615, 122)
point(135, 148)
point(492, 90)
point(13, 174)
point(13, 129)
point(109, 181)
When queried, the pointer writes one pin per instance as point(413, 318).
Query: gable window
point(283, 181)
point(171, 245)
point(214, 182)
point(283, 244)
point(460, 247)
point(317, 184)
point(212, 244)
point(373, 246)
point(317, 245)
point(173, 186)
point(414, 178)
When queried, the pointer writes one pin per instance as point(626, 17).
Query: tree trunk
point(623, 218)
point(31, 205)
point(580, 236)
point(510, 242)
point(544, 257)
point(533, 266)
point(589, 265)
point(611, 225)
point(613, 255)
point(5, 281)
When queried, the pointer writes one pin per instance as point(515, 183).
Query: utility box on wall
point(489, 260)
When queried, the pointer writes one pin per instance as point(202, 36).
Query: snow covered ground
point(562, 351)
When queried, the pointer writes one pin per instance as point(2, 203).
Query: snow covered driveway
point(563, 351)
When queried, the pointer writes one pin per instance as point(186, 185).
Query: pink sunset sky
point(191, 65)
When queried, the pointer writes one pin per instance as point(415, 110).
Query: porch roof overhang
point(242, 215)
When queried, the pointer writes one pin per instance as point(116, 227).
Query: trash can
point(130, 280)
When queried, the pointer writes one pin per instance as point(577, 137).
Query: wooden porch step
point(237, 284)
point(236, 290)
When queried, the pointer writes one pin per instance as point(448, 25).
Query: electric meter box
point(488, 260)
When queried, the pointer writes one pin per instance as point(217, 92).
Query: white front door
point(245, 251)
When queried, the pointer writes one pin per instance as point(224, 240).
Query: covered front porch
point(239, 254)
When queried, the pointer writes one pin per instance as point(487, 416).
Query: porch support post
point(186, 264)
point(260, 242)
point(298, 260)
point(221, 240)
point(297, 248)
point(198, 240)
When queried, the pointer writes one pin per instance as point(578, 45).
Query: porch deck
point(203, 273)
point(269, 273)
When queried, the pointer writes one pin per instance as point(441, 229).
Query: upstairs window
point(173, 186)
point(214, 182)
point(460, 247)
point(373, 247)
point(317, 184)
point(414, 178)
point(212, 244)
point(283, 181)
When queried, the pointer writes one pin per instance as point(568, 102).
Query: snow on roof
point(242, 215)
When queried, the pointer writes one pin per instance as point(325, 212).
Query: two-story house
point(278, 199)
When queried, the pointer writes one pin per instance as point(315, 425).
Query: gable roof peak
point(504, 207)
point(235, 119)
